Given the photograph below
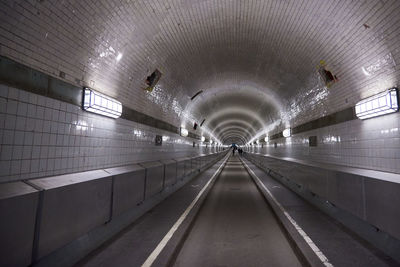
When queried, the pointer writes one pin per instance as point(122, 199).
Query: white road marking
point(303, 234)
point(153, 256)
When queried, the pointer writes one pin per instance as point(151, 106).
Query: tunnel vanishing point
point(199, 133)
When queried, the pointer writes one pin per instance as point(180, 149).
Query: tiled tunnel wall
point(358, 40)
point(371, 144)
point(41, 136)
point(81, 40)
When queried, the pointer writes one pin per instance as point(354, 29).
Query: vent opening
point(327, 76)
point(152, 80)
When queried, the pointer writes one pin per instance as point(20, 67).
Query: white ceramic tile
point(10, 122)
point(6, 152)
point(15, 167)
point(12, 106)
point(35, 167)
point(22, 108)
point(13, 93)
point(3, 105)
point(25, 166)
point(3, 90)
point(5, 168)
point(19, 137)
point(20, 124)
point(27, 152)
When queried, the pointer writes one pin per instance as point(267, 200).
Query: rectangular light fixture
point(287, 132)
point(183, 132)
point(101, 104)
point(377, 105)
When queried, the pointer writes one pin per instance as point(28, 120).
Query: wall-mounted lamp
point(287, 132)
point(101, 104)
point(377, 105)
point(183, 132)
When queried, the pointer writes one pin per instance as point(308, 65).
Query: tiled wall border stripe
point(347, 114)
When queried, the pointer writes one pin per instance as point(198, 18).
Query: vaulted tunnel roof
point(256, 61)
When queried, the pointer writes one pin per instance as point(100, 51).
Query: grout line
point(303, 234)
point(153, 256)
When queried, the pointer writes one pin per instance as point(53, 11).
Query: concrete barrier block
point(154, 178)
point(128, 187)
point(345, 190)
point(188, 166)
point(382, 200)
point(170, 172)
point(180, 168)
point(72, 205)
point(196, 163)
point(187, 163)
point(18, 207)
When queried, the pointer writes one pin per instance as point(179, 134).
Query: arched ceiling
point(254, 60)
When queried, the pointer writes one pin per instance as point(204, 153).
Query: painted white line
point(303, 234)
point(153, 256)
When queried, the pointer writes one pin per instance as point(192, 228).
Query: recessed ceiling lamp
point(377, 105)
point(101, 104)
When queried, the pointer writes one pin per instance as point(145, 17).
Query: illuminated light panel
point(287, 132)
point(377, 105)
point(101, 104)
point(203, 139)
point(184, 132)
point(266, 139)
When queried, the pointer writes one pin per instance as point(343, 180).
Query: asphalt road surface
point(236, 227)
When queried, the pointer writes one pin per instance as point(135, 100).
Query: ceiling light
point(266, 139)
point(379, 104)
point(184, 132)
point(203, 139)
point(101, 104)
point(118, 58)
point(287, 132)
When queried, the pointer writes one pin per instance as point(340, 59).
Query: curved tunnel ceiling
point(255, 61)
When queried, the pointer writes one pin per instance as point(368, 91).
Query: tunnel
point(199, 133)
